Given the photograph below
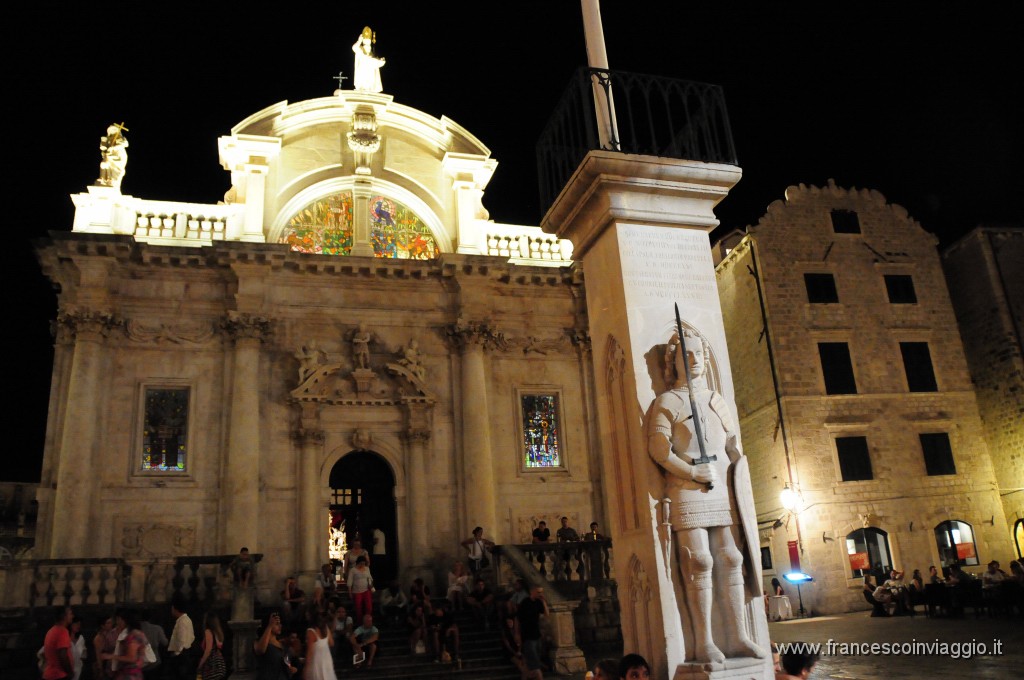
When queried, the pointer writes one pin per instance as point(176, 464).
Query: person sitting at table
point(993, 577)
point(899, 591)
point(933, 575)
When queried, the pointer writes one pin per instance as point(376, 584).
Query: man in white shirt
point(179, 659)
point(993, 577)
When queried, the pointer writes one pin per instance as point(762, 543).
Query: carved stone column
point(477, 463)
point(416, 442)
point(311, 519)
point(241, 481)
point(79, 433)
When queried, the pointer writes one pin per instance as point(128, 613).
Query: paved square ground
point(859, 627)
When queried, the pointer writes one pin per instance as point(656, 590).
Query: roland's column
point(77, 476)
point(312, 521)
point(477, 463)
point(639, 227)
point(241, 481)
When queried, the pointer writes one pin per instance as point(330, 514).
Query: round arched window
point(325, 227)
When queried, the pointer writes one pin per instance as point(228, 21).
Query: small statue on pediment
point(309, 356)
point(361, 339)
point(412, 359)
point(114, 153)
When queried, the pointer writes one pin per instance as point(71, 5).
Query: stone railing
point(203, 579)
point(569, 567)
point(529, 248)
point(183, 221)
point(71, 582)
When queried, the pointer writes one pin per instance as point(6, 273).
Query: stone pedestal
point(365, 379)
point(567, 657)
point(642, 224)
point(243, 658)
point(732, 669)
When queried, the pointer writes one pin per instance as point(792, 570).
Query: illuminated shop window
point(868, 552)
point(541, 431)
point(955, 540)
point(165, 429)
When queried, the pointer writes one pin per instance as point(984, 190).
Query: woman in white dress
point(319, 663)
point(458, 586)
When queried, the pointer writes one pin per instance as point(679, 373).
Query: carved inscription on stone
point(670, 264)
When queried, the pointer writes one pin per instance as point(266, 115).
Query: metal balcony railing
point(655, 116)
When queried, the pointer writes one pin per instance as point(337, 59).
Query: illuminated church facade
point(345, 344)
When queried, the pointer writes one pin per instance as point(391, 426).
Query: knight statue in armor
point(710, 515)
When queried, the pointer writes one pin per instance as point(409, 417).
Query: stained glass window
point(396, 232)
point(324, 227)
point(165, 430)
point(541, 431)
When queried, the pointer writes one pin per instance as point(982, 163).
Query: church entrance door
point(363, 497)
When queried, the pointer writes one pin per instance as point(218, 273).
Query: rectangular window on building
point(901, 289)
point(165, 429)
point(766, 558)
point(542, 432)
point(845, 222)
point(821, 288)
point(938, 454)
point(854, 460)
point(836, 368)
point(917, 362)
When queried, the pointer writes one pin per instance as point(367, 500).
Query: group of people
point(905, 594)
point(565, 533)
point(127, 646)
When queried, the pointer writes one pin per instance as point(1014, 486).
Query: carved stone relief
point(154, 540)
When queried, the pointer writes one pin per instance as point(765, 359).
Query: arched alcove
point(362, 487)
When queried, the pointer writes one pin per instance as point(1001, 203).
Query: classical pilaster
point(311, 520)
point(361, 245)
point(477, 460)
point(85, 331)
point(417, 442)
point(241, 480)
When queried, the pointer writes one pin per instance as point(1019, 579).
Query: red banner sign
point(859, 561)
point(964, 551)
point(794, 555)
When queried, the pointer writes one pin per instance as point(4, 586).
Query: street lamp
point(789, 498)
point(799, 578)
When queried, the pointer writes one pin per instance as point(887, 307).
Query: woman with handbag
point(211, 663)
point(477, 544)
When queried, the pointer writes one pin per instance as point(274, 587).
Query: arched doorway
point(363, 496)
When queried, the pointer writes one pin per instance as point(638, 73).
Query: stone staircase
point(481, 655)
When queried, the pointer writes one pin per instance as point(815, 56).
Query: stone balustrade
point(523, 246)
point(75, 582)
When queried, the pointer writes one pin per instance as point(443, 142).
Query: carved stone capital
point(417, 436)
point(581, 339)
point(76, 323)
point(241, 325)
point(310, 436)
point(465, 335)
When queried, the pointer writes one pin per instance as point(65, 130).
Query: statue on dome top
point(366, 74)
point(114, 152)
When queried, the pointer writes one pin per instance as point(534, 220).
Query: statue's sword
point(704, 457)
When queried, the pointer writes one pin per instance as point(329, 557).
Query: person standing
point(477, 544)
point(566, 534)
point(78, 647)
point(542, 534)
point(179, 655)
point(59, 660)
point(360, 587)
point(211, 664)
point(157, 639)
point(528, 616)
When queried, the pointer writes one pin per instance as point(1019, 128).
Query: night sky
point(920, 103)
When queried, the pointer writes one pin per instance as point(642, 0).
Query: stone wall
point(796, 237)
point(985, 271)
